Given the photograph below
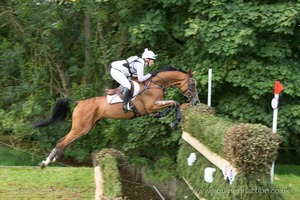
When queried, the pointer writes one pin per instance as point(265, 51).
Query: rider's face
point(150, 62)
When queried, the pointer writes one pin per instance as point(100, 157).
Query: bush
point(251, 148)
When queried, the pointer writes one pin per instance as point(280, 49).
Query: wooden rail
point(214, 158)
point(98, 179)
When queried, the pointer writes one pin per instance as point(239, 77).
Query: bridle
point(190, 88)
point(187, 93)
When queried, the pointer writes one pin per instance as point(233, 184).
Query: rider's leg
point(123, 80)
point(126, 99)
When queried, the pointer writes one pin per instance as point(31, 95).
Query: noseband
point(189, 90)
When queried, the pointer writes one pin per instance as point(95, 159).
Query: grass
point(287, 179)
point(30, 182)
point(50, 183)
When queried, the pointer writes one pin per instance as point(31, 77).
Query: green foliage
point(142, 136)
point(249, 45)
point(17, 117)
point(17, 157)
point(251, 148)
point(144, 30)
point(163, 169)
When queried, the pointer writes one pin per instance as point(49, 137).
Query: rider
point(123, 70)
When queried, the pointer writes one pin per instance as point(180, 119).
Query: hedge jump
point(248, 150)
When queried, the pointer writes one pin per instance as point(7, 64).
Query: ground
point(130, 189)
point(136, 191)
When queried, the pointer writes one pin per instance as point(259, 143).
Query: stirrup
point(127, 107)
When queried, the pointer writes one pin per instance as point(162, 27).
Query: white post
point(275, 103)
point(274, 128)
point(275, 113)
point(209, 87)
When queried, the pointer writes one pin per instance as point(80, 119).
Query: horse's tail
point(59, 114)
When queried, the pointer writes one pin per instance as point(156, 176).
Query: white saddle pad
point(111, 99)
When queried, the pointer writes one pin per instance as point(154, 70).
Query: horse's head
point(189, 89)
point(183, 80)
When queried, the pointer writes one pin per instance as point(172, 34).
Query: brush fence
point(219, 159)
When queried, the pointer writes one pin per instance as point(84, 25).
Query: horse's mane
point(170, 68)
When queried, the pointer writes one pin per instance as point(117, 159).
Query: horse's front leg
point(170, 105)
point(164, 112)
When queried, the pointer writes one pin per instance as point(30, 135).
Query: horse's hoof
point(42, 165)
point(173, 125)
point(156, 115)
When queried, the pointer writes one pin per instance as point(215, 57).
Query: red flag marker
point(278, 87)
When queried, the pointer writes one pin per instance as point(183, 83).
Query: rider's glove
point(153, 74)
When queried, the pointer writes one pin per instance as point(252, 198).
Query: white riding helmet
point(149, 54)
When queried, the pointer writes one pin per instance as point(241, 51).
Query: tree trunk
point(64, 79)
point(88, 55)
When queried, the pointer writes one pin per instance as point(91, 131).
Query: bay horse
point(150, 99)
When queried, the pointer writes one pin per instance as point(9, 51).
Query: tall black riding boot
point(126, 98)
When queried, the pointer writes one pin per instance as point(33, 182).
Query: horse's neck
point(172, 78)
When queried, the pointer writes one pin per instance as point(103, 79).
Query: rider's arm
point(139, 67)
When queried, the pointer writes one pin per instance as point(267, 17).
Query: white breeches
point(120, 74)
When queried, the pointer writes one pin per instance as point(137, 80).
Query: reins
point(165, 87)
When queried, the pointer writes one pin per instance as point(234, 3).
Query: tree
point(52, 49)
point(249, 45)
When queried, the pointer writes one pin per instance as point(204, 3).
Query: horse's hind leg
point(61, 146)
point(51, 158)
point(80, 126)
point(54, 155)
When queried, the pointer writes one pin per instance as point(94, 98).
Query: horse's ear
point(191, 73)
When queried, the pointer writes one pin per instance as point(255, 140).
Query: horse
point(149, 99)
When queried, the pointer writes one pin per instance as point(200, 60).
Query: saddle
point(119, 90)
